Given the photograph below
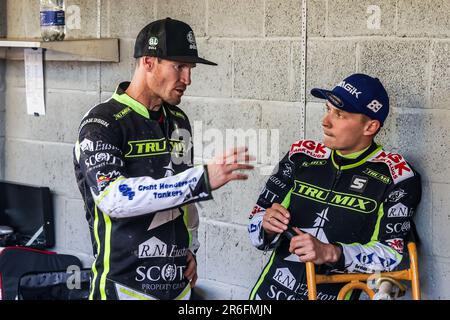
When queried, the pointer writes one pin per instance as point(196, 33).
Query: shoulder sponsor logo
point(155, 248)
point(397, 244)
point(398, 167)
point(307, 164)
point(94, 120)
point(284, 277)
point(122, 113)
point(337, 199)
point(377, 175)
point(351, 89)
point(154, 147)
point(396, 195)
point(398, 211)
point(401, 227)
point(310, 148)
point(359, 183)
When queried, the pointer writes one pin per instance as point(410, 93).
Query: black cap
point(168, 39)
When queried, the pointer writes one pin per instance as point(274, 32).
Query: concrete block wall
point(410, 53)
point(256, 86)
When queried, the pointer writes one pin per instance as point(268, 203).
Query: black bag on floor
point(61, 285)
point(16, 262)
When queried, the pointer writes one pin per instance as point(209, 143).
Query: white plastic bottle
point(53, 26)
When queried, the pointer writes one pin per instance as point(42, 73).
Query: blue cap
point(358, 93)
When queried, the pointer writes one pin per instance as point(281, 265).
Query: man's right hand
point(276, 219)
point(221, 169)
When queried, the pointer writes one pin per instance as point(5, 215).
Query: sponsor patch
point(127, 191)
point(359, 183)
point(333, 198)
point(284, 277)
point(287, 170)
point(155, 248)
point(401, 227)
point(154, 147)
point(349, 88)
point(398, 211)
point(94, 120)
point(307, 164)
point(87, 144)
point(122, 113)
point(396, 195)
point(104, 179)
point(377, 175)
point(398, 167)
point(397, 244)
point(101, 159)
point(311, 148)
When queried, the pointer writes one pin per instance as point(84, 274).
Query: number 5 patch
point(359, 183)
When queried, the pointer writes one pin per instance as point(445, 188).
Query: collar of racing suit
point(353, 155)
point(342, 162)
point(121, 96)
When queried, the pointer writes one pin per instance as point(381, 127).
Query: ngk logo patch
point(398, 167)
point(311, 148)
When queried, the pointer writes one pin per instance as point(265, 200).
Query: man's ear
point(148, 63)
point(372, 127)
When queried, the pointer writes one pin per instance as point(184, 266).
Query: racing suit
point(364, 205)
point(134, 171)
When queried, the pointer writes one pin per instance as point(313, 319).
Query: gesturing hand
point(222, 169)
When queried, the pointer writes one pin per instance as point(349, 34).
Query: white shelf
point(104, 50)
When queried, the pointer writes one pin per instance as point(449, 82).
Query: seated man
point(350, 202)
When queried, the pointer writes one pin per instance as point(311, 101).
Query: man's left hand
point(310, 249)
point(191, 270)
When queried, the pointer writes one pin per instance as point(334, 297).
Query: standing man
point(350, 201)
point(133, 165)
